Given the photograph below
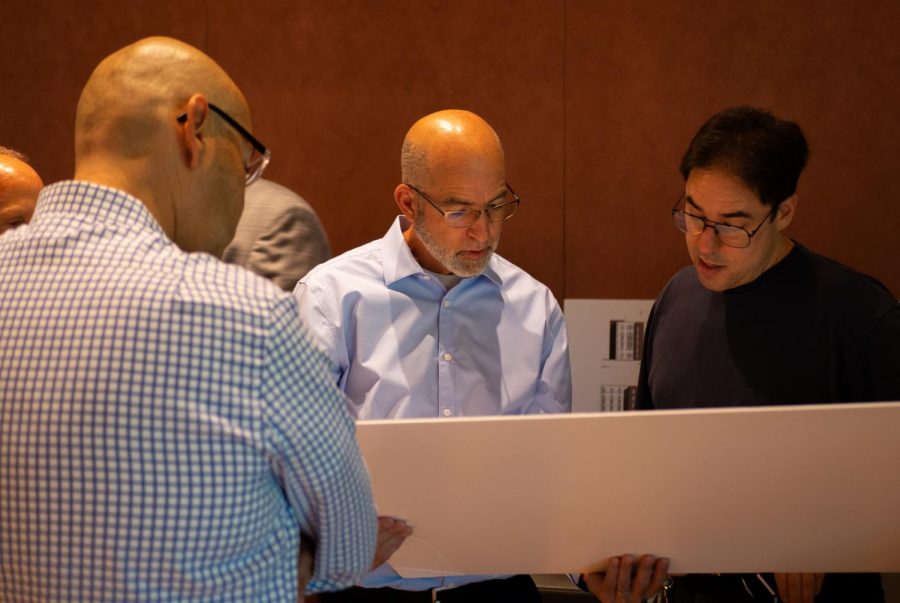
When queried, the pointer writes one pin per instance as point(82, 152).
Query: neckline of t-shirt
point(448, 280)
point(773, 272)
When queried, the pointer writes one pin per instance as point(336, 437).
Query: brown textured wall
point(641, 77)
point(595, 102)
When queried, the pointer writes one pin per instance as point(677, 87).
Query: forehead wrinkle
point(468, 202)
point(727, 215)
point(690, 201)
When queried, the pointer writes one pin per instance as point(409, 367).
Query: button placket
point(446, 400)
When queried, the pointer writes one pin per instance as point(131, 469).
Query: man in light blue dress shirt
point(430, 322)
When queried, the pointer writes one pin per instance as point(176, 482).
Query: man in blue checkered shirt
point(166, 430)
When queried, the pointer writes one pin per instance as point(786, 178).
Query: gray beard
point(449, 260)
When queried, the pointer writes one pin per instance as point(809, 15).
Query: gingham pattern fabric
point(166, 430)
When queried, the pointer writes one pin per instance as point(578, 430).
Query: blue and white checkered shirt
point(166, 430)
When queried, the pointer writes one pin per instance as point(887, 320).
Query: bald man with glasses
point(429, 321)
point(167, 433)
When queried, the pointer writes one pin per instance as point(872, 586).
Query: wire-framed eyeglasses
point(259, 158)
point(732, 236)
point(463, 218)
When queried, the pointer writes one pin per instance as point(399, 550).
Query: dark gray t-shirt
point(808, 330)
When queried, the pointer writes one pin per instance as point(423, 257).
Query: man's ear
point(785, 213)
point(406, 201)
point(194, 129)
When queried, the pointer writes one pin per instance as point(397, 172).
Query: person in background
point(430, 322)
point(166, 430)
point(278, 236)
point(759, 319)
point(19, 189)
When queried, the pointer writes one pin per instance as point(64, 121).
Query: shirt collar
point(93, 203)
point(399, 263)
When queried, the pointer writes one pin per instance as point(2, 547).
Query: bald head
point(144, 125)
point(19, 188)
point(452, 162)
point(447, 143)
point(141, 86)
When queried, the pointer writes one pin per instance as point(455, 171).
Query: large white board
point(814, 488)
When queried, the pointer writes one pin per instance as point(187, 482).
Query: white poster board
point(801, 488)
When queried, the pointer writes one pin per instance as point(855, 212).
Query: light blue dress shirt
point(166, 430)
point(403, 346)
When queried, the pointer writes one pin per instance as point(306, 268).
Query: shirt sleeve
point(290, 247)
point(553, 393)
point(321, 328)
point(315, 456)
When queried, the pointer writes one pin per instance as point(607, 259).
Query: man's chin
point(470, 268)
point(467, 271)
point(714, 278)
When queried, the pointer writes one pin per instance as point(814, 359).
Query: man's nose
point(480, 230)
point(708, 241)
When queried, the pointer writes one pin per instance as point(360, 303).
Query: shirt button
point(447, 356)
point(447, 412)
point(424, 277)
point(446, 303)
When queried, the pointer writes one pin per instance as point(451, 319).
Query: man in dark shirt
point(761, 320)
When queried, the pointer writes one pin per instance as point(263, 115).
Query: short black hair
point(766, 153)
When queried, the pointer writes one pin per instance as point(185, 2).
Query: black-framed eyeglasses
point(732, 236)
point(259, 158)
point(463, 218)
